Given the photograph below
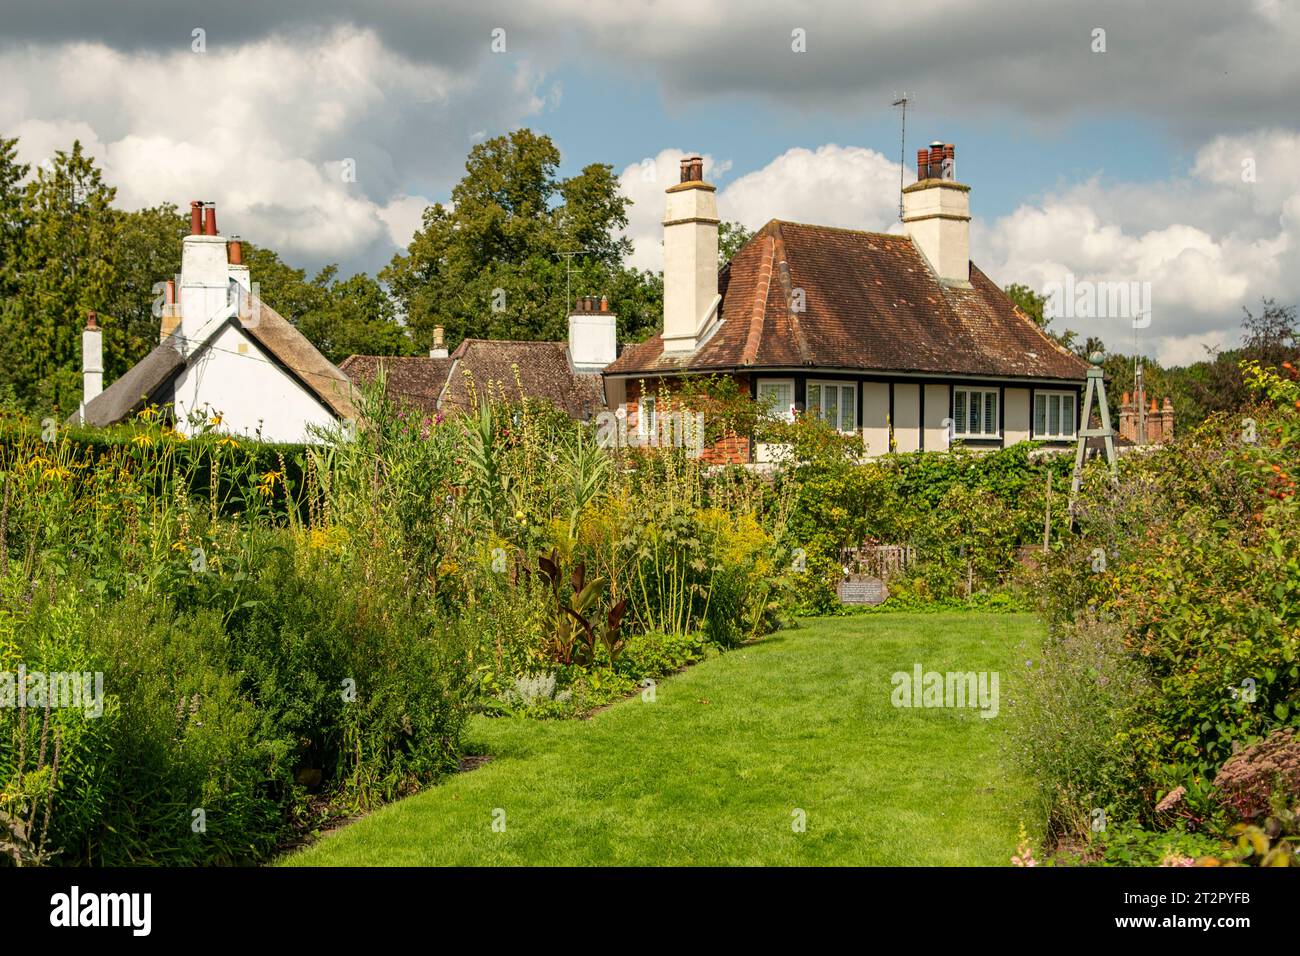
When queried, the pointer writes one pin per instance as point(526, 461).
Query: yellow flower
point(144, 440)
point(214, 420)
point(229, 441)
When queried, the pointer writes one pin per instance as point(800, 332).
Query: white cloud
point(1208, 244)
point(263, 129)
point(832, 186)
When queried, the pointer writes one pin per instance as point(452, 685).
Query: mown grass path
point(712, 772)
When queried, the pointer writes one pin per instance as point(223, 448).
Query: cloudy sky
point(1172, 157)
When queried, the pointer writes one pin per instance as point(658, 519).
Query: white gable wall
point(233, 377)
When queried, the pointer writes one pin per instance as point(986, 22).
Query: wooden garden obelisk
point(1096, 390)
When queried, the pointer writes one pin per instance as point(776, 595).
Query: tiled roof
point(417, 379)
point(872, 304)
point(322, 377)
point(135, 389)
point(535, 369)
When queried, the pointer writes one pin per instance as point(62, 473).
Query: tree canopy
point(516, 244)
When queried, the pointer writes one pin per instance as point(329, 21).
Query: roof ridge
point(758, 307)
point(872, 233)
point(787, 289)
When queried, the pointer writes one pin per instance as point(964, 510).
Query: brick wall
point(730, 450)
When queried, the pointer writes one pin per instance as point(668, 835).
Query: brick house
point(900, 338)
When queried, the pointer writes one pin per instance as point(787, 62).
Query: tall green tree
point(516, 244)
point(146, 252)
point(12, 228)
point(65, 269)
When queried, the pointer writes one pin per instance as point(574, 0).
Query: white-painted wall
point(875, 417)
point(937, 411)
point(907, 417)
point(1015, 421)
point(232, 377)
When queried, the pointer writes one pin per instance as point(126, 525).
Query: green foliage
point(65, 268)
point(496, 263)
point(731, 236)
point(1199, 576)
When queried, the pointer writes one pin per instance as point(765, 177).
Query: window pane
point(814, 399)
point(848, 408)
point(1040, 414)
point(973, 423)
point(831, 409)
point(1054, 414)
point(958, 410)
point(990, 413)
point(1067, 415)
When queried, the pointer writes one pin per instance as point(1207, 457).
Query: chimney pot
point(90, 321)
point(236, 252)
point(604, 305)
point(922, 163)
point(196, 217)
point(210, 219)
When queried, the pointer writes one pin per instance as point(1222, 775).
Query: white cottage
point(223, 354)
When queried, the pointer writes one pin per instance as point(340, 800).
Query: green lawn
point(714, 769)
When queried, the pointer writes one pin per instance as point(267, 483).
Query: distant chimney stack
point(936, 214)
point(593, 340)
point(439, 350)
point(92, 359)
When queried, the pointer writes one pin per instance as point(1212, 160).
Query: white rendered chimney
point(936, 214)
point(690, 258)
point(592, 340)
point(205, 272)
point(92, 360)
point(439, 349)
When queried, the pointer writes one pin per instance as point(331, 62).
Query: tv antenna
point(568, 262)
point(902, 102)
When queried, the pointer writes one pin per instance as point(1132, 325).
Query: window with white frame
point(835, 403)
point(776, 395)
point(647, 422)
point(975, 413)
point(1054, 415)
